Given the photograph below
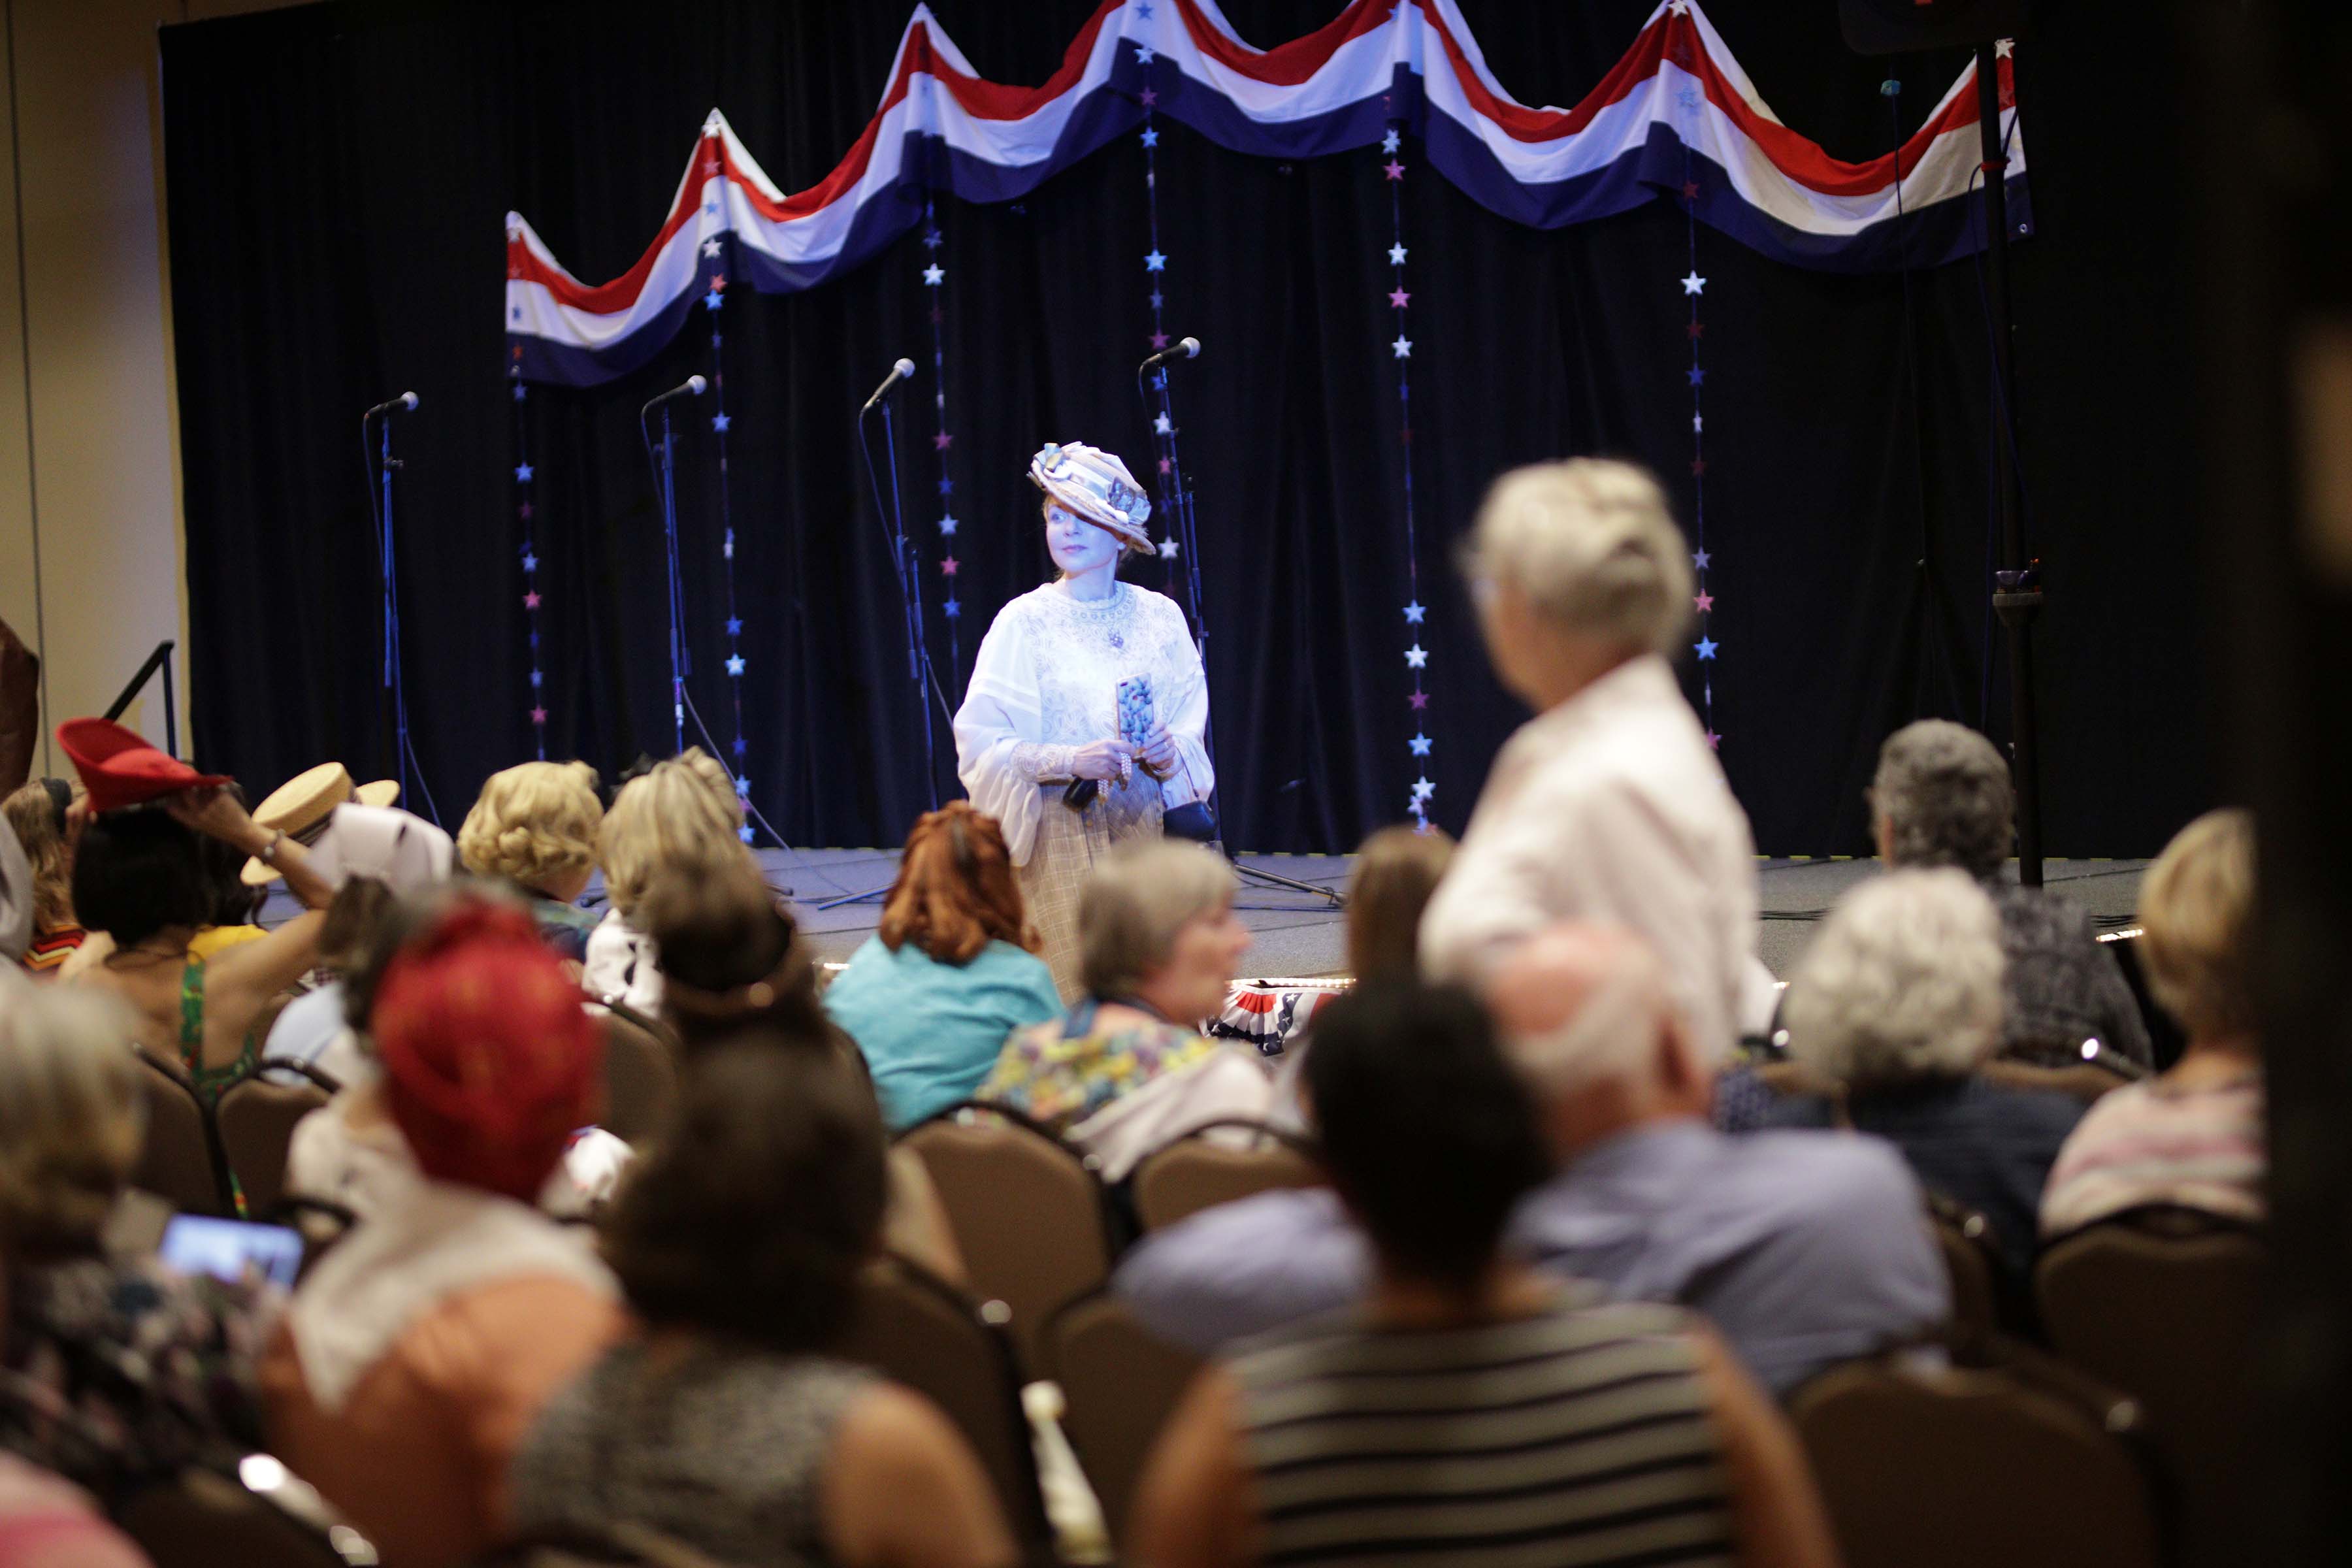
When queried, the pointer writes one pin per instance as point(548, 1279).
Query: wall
point(90, 538)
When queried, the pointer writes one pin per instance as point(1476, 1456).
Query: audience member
point(350, 1152)
point(1896, 1003)
point(45, 1521)
point(1942, 796)
point(15, 894)
point(1803, 1248)
point(535, 826)
point(37, 813)
point(1608, 805)
point(735, 969)
point(1397, 870)
point(369, 855)
point(122, 1372)
point(931, 996)
point(2194, 1136)
point(683, 816)
point(1128, 1069)
point(418, 1350)
point(138, 876)
point(235, 903)
point(1470, 1411)
point(723, 1424)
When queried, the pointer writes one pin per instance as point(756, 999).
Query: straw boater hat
point(1096, 486)
point(301, 808)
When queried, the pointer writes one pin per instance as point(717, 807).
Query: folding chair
point(254, 1120)
point(2022, 1464)
point(178, 1159)
point(2085, 1081)
point(1026, 1210)
point(920, 1330)
point(1120, 1383)
point(1965, 1241)
point(640, 1074)
point(2164, 1302)
point(260, 1518)
point(1199, 1172)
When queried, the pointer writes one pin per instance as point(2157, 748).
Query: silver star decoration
point(710, 246)
point(1389, 143)
point(1160, 423)
point(735, 665)
point(1143, 54)
point(1416, 656)
point(933, 275)
point(1693, 284)
point(1168, 550)
point(1697, 424)
point(1420, 744)
point(1396, 255)
point(947, 527)
point(1422, 789)
point(1403, 347)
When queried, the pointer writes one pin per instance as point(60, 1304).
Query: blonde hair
point(1136, 898)
point(33, 816)
point(683, 814)
point(2197, 911)
point(1590, 544)
point(534, 824)
point(71, 1120)
point(1397, 869)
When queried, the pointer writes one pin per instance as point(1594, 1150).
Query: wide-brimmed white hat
point(1096, 486)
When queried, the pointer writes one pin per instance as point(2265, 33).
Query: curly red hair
point(956, 890)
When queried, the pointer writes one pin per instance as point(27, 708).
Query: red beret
point(490, 1062)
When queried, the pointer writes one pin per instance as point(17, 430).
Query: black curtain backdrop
point(339, 176)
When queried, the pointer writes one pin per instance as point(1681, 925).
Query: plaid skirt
point(1066, 848)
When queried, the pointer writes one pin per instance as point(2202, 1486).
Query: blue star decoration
point(520, 391)
point(1422, 789)
point(529, 562)
point(1420, 744)
point(536, 677)
point(933, 275)
point(1389, 143)
point(1156, 299)
point(931, 240)
point(719, 423)
point(735, 664)
point(947, 527)
point(742, 786)
point(1416, 656)
point(522, 473)
point(947, 486)
point(951, 609)
point(1150, 137)
point(739, 745)
point(713, 300)
point(734, 626)
point(1706, 647)
point(1155, 262)
point(1697, 376)
point(1413, 613)
point(1699, 559)
point(744, 833)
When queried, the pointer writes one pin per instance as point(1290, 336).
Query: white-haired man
point(1608, 806)
point(1805, 1248)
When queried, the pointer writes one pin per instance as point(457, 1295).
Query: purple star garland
point(1416, 657)
point(1694, 289)
point(537, 712)
point(713, 300)
point(943, 440)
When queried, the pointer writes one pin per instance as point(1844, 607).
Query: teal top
point(931, 1031)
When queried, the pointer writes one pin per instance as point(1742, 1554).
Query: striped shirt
point(51, 947)
point(1577, 1437)
point(2154, 1142)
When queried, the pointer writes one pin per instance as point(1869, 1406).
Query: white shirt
point(1610, 809)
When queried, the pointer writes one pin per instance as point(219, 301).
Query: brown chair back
point(2085, 1081)
point(1120, 1383)
point(254, 1119)
point(918, 1331)
point(2163, 1303)
point(177, 1157)
point(1199, 1172)
point(1026, 1211)
point(205, 1521)
point(640, 1074)
point(1925, 1467)
point(1964, 1239)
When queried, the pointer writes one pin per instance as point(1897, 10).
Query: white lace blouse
point(1046, 682)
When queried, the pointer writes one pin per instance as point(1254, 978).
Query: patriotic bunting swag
point(1676, 117)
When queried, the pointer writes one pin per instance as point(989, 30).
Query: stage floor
point(1299, 935)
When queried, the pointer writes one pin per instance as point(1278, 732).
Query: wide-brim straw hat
point(1096, 485)
point(301, 808)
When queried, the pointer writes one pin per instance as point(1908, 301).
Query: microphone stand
point(890, 515)
point(1176, 500)
point(394, 697)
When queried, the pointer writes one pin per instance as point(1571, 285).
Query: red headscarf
point(490, 1063)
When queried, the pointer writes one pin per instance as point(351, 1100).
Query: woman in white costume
point(1084, 687)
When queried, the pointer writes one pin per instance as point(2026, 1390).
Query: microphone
point(899, 372)
point(1186, 348)
point(405, 400)
point(692, 386)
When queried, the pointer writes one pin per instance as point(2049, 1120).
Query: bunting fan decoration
point(1676, 102)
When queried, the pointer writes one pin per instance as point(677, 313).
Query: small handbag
point(1192, 820)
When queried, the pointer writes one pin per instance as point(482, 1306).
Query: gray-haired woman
point(1128, 1069)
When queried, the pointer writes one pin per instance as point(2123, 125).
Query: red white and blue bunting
point(1676, 95)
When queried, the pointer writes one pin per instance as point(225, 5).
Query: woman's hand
point(1104, 760)
point(215, 811)
point(1158, 751)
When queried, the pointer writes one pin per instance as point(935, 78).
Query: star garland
point(1694, 290)
point(530, 598)
point(713, 298)
point(1416, 657)
point(935, 277)
point(1168, 483)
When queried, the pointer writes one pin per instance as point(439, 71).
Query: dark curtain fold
point(338, 178)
